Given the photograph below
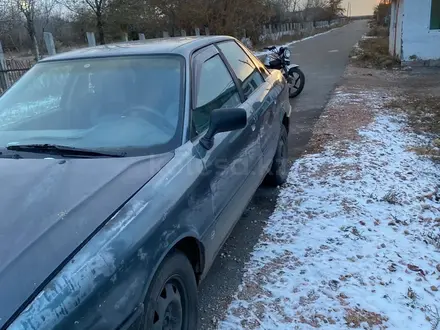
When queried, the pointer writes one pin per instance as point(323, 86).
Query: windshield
point(134, 104)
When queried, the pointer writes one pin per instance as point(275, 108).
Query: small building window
point(435, 15)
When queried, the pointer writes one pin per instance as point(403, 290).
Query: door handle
point(253, 122)
point(271, 116)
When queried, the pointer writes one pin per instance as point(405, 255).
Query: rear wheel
point(296, 80)
point(280, 168)
point(171, 302)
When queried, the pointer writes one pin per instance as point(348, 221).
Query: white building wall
point(418, 40)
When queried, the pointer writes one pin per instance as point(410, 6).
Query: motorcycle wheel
point(296, 80)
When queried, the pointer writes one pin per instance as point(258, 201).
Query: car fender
point(136, 316)
point(178, 237)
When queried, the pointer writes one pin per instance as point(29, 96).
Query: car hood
point(51, 207)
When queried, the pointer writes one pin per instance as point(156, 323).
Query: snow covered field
point(354, 240)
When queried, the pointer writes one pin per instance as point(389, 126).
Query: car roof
point(179, 45)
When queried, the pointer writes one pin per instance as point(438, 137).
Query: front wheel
point(171, 302)
point(296, 80)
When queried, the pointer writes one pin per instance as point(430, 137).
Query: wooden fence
point(10, 71)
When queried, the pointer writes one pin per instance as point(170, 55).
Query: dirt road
point(323, 60)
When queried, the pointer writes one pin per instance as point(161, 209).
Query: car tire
point(171, 301)
point(279, 169)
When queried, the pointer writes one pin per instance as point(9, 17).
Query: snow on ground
point(354, 240)
point(265, 52)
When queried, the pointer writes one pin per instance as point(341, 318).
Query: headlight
point(286, 53)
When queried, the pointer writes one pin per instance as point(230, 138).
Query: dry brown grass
point(355, 317)
point(423, 113)
point(378, 31)
point(373, 53)
point(344, 115)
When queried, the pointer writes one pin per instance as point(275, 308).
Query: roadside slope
point(226, 274)
point(354, 239)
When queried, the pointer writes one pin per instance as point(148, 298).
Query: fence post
point(91, 39)
point(141, 36)
point(50, 44)
point(165, 34)
point(197, 31)
point(125, 36)
point(4, 79)
point(207, 31)
point(183, 33)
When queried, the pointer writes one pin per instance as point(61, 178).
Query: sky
point(358, 7)
point(361, 7)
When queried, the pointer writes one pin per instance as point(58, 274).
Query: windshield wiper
point(61, 150)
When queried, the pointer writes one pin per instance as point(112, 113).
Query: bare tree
point(99, 9)
point(290, 5)
point(283, 9)
point(314, 10)
point(28, 9)
point(382, 11)
point(335, 8)
point(5, 10)
point(47, 7)
point(10, 24)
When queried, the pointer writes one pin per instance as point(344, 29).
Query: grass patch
point(424, 116)
point(432, 238)
point(433, 317)
point(354, 318)
point(378, 31)
point(373, 53)
point(392, 197)
point(429, 151)
point(423, 112)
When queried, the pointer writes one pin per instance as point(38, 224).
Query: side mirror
point(223, 120)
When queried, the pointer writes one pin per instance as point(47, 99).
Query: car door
point(233, 163)
point(279, 97)
point(260, 93)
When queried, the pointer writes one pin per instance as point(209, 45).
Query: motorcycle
point(280, 60)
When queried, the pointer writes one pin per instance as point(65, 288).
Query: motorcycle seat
point(270, 48)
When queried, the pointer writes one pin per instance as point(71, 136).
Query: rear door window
point(243, 67)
